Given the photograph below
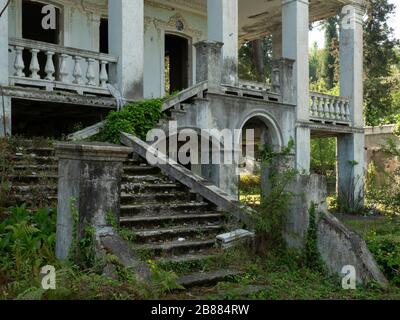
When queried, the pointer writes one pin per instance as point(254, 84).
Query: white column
point(5, 102)
point(351, 147)
point(351, 61)
point(126, 41)
point(223, 27)
point(295, 29)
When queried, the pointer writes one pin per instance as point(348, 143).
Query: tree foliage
point(379, 58)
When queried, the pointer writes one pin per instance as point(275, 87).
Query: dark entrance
point(176, 63)
point(32, 17)
point(104, 36)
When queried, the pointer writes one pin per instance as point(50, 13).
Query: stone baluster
point(337, 110)
point(314, 109)
point(332, 108)
point(50, 69)
point(348, 113)
point(34, 66)
point(19, 65)
point(103, 74)
point(64, 72)
point(343, 110)
point(326, 108)
point(90, 75)
point(77, 71)
point(320, 107)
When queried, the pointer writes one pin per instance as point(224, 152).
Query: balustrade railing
point(329, 109)
point(40, 64)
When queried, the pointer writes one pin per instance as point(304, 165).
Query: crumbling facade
point(101, 53)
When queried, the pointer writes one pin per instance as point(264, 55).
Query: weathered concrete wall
point(307, 189)
point(375, 139)
point(337, 244)
point(340, 247)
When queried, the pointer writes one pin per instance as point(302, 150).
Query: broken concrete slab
point(231, 239)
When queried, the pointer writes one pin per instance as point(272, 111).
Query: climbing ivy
point(312, 256)
point(137, 118)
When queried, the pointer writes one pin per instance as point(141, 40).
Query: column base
point(350, 170)
point(5, 116)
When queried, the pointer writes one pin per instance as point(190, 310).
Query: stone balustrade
point(329, 109)
point(55, 67)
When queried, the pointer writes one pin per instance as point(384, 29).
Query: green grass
point(286, 278)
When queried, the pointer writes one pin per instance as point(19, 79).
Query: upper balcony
point(54, 67)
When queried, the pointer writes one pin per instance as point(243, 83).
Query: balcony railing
point(329, 109)
point(54, 67)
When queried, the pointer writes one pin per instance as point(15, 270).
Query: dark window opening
point(104, 36)
point(176, 63)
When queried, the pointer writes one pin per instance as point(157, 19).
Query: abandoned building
point(103, 52)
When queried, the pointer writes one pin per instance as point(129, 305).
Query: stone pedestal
point(209, 64)
point(282, 79)
point(88, 189)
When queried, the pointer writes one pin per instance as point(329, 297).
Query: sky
point(318, 35)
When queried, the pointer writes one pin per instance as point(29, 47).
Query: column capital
point(286, 2)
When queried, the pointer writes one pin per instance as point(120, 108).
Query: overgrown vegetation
point(136, 118)
point(383, 238)
point(270, 215)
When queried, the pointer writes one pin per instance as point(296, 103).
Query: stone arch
point(276, 136)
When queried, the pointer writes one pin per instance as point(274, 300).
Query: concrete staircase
point(170, 224)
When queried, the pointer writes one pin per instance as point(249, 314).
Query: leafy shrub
point(386, 249)
point(27, 241)
point(270, 217)
point(137, 118)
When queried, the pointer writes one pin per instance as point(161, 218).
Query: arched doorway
point(254, 173)
point(177, 63)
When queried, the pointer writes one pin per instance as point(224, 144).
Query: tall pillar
point(295, 29)
point(126, 41)
point(5, 102)
point(351, 147)
point(223, 26)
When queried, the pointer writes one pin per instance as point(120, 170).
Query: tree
point(379, 58)
point(331, 65)
point(255, 60)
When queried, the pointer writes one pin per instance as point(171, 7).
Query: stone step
point(175, 247)
point(189, 258)
point(32, 178)
point(182, 231)
point(140, 170)
point(28, 189)
point(32, 168)
point(149, 178)
point(164, 208)
point(151, 188)
point(199, 279)
point(129, 198)
point(30, 159)
point(147, 221)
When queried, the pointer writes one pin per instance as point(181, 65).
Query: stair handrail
point(197, 184)
point(195, 91)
